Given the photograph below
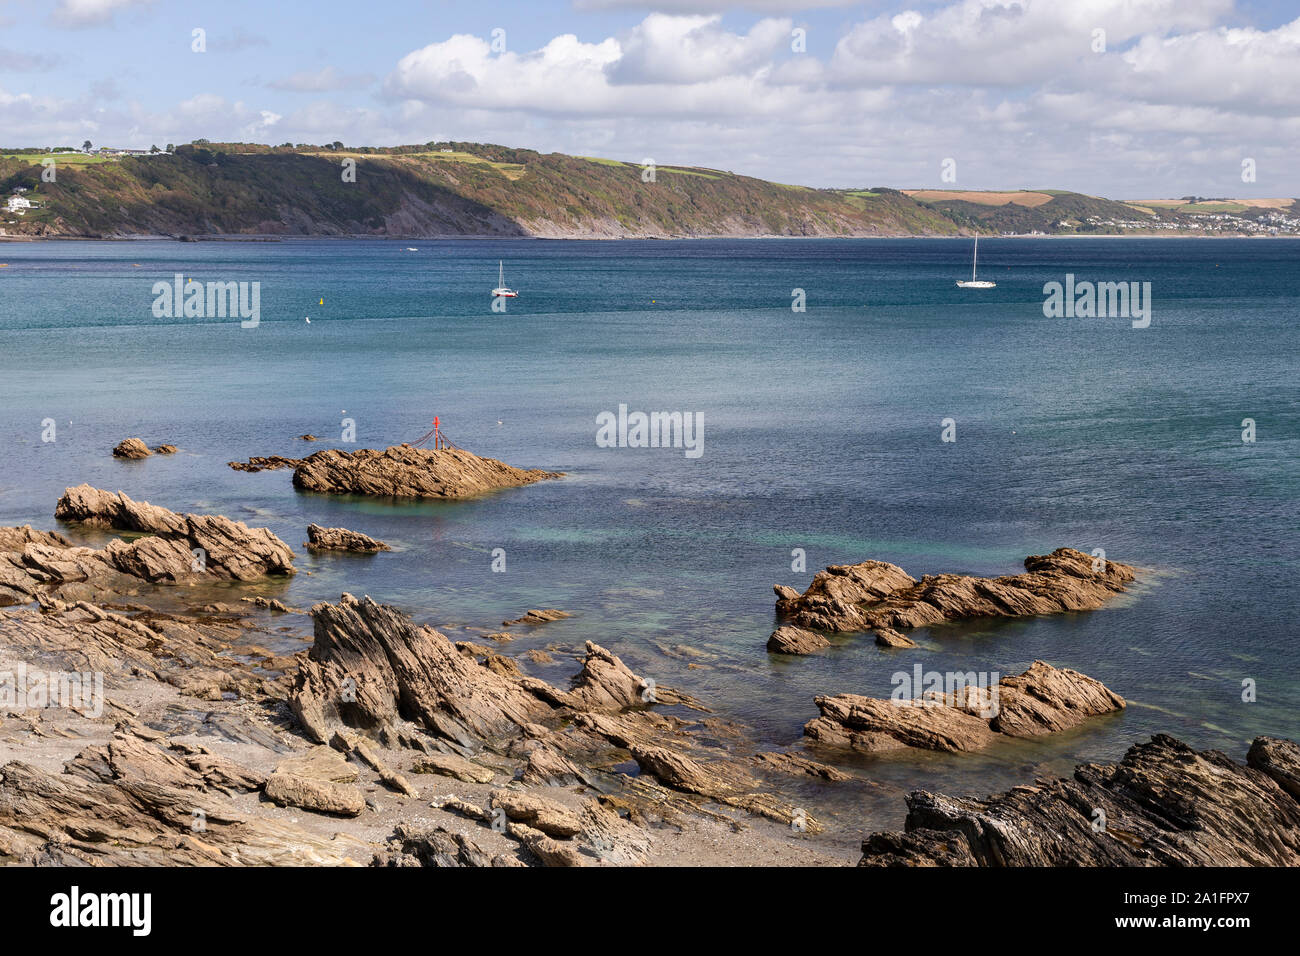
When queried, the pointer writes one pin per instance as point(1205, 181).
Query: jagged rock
point(436, 847)
point(371, 668)
point(548, 766)
point(164, 449)
point(1278, 758)
point(309, 793)
point(1042, 700)
point(272, 604)
point(536, 616)
point(128, 757)
point(121, 817)
point(16, 539)
point(308, 437)
point(872, 595)
point(1164, 804)
point(449, 765)
point(230, 549)
point(797, 766)
point(795, 640)
point(551, 818)
point(131, 448)
point(888, 637)
point(269, 463)
point(404, 471)
point(355, 744)
point(341, 539)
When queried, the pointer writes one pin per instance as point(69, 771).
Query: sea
point(851, 403)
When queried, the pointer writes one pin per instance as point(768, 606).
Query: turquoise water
point(821, 432)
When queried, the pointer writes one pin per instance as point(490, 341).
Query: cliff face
point(470, 190)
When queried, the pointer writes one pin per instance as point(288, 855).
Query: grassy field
point(983, 198)
point(75, 159)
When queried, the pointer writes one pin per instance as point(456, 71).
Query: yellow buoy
point(322, 301)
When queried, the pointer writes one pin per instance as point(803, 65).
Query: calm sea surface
point(821, 432)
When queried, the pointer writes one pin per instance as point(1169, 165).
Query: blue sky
point(1015, 91)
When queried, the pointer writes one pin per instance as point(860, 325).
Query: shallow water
point(821, 432)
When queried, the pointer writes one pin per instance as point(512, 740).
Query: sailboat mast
point(975, 258)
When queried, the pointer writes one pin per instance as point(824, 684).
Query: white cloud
point(84, 13)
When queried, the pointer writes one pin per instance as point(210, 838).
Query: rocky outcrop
point(795, 640)
point(180, 544)
point(404, 471)
point(876, 595)
point(1040, 701)
point(341, 539)
point(1164, 804)
point(888, 637)
point(372, 669)
point(132, 449)
point(268, 463)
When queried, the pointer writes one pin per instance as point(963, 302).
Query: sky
point(1122, 98)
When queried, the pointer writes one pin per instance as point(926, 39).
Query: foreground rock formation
point(877, 595)
point(405, 471)
point(1164, 804)
point(341, 539)
point(1042, 700)
point(178, 545)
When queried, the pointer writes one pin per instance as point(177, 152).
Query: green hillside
point(472, 189)
point(452, 189)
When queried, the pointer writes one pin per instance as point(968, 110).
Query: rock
point(795, 640)
point(784, 593)
point(272, 604)
point(17, 539)
point(549, 767)
point(131, 820)
point(321, 762)
point(352, 743)
point(1042, 700)
point(320, 796)
point(164, 449)
point(888, 637)
point(797, 766)
point(606, 683)
point(131, 448)
point(1164, 804)
point(449, 765)
point(341, 539)
point(371, 669)
point(872, 595)
point(535, 617)
point(404, 471)
point(551, 818)
point(308, 437)
point(538, 656)
point(1278, 758)
point(435, 847)
point(271, 463)
point(230, 549)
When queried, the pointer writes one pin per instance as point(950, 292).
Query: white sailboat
point(502, 291)
point(972, 282)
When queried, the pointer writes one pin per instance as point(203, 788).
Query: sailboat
point(972, 282)
point(502, 291)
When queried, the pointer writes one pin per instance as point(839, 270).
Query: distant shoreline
point(475, 238)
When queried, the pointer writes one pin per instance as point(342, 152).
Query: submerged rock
point(1040, 701)
point(404, 471)
point(341, 539)
point(535, 617)
point(1164, 804)
point(875, 595)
